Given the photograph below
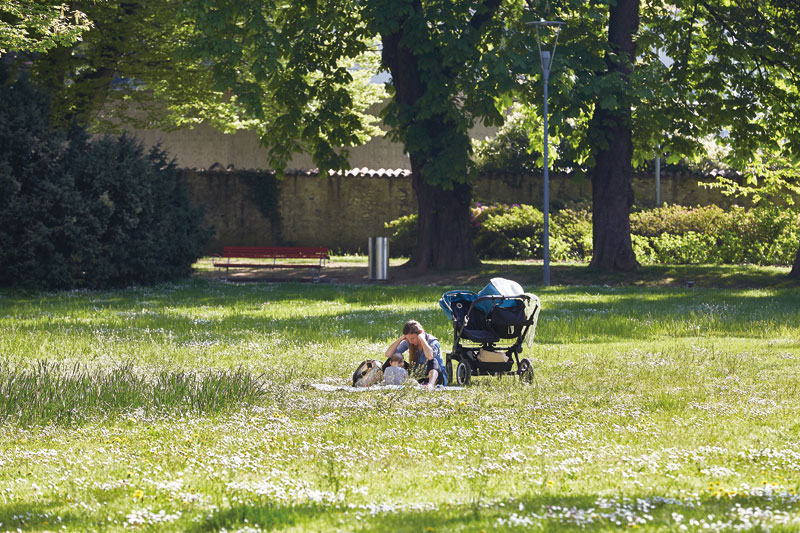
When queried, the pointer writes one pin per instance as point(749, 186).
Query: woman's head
point(411, 331)
point(412, 326)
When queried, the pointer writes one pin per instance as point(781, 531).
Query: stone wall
point(342, 212)
point(676, 188)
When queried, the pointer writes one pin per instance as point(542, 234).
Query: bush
point(675, 234)
point(677, 220)
point(666, 235)
point(509, 232)
point(571, 235)
point(80, 213)
point(403, 238)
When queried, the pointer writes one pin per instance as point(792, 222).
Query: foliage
point(299, 71)
point(37, 26)
point(510, 232)
point(136, 67)
point(709, 235)
point(82, 213)
point(677, 219)
point(403, 233)
point(748, 91)
point(509, 150)
point(664, 235)
point(571, 238)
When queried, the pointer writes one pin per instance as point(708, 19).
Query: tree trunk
point(443, 232)
point(444, 239)
point(795, 273)
point(611, 131)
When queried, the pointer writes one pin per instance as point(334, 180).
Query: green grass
point(189, 406)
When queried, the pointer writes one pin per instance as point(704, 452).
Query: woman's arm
point(426, 348)
point(393, 347)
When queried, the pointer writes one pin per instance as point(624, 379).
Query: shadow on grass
point(734, 311)
point(543, 512)
point(530, 272)
point(39, 516)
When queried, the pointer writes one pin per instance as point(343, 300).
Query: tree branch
point(482, 16)
point(722, 20)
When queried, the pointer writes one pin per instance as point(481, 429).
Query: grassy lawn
point(189, 406)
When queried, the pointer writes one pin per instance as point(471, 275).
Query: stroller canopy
point(499, 287)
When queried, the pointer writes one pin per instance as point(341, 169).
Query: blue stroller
point(489, 328)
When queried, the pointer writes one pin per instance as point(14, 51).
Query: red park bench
point(274, 253)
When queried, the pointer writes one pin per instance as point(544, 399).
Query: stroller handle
point(498, 298)
point(445, 299)
point(494, 298)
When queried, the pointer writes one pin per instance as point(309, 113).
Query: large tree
point(611, 135)
point(635, 74)
point(630, 74)
point(448, 61)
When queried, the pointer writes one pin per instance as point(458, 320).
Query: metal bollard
point(378, 258)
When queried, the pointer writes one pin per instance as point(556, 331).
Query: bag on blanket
point(368, 373)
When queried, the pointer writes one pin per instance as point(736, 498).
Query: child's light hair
point(396, 358)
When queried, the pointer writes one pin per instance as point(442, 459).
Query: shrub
point(510, 232)
point(403, 235)
point(677, 220)
point(676, 234)
point(81, 213)
point(571, 235)
point(673, 234)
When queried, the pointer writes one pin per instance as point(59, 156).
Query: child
point(395, 374)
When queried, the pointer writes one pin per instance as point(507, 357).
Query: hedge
point(667, 235)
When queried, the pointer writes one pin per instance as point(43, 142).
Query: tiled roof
point(372, 173)
point(353, 172)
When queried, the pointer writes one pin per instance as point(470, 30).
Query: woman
point(423, 349)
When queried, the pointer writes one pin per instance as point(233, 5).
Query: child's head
point(396, 359)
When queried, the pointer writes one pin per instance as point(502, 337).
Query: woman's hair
point(412, 326)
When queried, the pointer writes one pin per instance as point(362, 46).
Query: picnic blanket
point(327, 387)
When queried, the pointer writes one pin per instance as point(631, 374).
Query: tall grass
point(51, 391)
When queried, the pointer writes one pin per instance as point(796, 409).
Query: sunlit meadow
point(190, 407)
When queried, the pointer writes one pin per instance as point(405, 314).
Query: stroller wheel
point(448, 367)
point(463, 373)
point(525, 370)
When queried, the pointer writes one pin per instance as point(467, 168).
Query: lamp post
point(546, 58)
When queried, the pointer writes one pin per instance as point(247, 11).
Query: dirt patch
point(345, 274)
point(528, 273)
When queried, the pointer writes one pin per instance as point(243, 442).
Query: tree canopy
point(38, 26)
point(685, 76)
point(630, 76)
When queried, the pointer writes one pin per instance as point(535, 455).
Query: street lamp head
point(554, 26)
point(547, 23)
